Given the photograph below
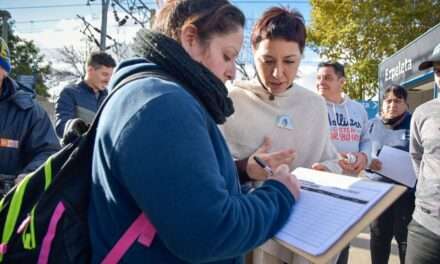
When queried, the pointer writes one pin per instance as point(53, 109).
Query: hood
point(21, 95)
point(345, 100)
point(256, 88)
point(253, 86)
point(341, 107)
point(129, 67)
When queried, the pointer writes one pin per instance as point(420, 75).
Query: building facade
point(403, 68)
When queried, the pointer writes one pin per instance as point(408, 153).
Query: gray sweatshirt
point(349, 127)
point(425, 154)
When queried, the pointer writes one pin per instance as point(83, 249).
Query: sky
point(52, 24)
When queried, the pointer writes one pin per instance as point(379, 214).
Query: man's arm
point(329, 156)
point(64, 111)
point(415, 143)
point(329, 159)
point(40, 142)
point(365, 142)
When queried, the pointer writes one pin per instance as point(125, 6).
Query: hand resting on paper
point(283, 175)
point(376, 165)
point(319, 167)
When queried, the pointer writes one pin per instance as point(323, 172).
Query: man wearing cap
point(27, 137)
point(77, 104)
point(424, 230)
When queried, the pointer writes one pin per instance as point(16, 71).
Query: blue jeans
point(423, 245)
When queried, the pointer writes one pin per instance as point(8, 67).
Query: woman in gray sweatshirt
point(391, 128)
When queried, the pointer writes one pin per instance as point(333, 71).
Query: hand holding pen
point(283, 175)
point(263, 165)
point(274, 159)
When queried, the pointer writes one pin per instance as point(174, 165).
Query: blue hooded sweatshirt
point(159, 152)
point(76, 101)
point(27, 137)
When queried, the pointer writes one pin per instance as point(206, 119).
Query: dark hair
point(397, 90)
point(280, 23)
point(337, 67)
point(99, 58)
point(208, 16)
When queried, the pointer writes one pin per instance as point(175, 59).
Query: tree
point(26, 59)
point(361, 33)
point(75, 59)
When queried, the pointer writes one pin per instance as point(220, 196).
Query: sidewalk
point(360, 250)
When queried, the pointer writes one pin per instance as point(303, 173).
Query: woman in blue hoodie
point(158, 150)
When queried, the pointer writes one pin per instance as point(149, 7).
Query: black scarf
point(209, 90)
point(393, 122)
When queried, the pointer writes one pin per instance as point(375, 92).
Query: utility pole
point(5, 15)
point(105, 4)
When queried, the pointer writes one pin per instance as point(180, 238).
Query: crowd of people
point(181, 146)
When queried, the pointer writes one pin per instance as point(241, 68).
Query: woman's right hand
point(272, 159)
point(283, 175)
point(376, 165)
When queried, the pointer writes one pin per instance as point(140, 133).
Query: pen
point(263, 165)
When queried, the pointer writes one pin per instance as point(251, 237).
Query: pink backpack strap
point(141, 230)
point(43, 258)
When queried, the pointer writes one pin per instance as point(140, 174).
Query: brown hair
point(98, 59)
point(280, 23)
point(397, 90)
point(337, 67)
point(208, 16)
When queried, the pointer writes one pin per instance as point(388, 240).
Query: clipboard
point(275, 251)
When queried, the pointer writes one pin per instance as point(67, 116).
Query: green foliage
point(361, 33)
point(26, 59)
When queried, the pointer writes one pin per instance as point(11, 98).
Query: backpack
point(44, 219)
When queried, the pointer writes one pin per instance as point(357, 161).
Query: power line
point(48, 6)
point(42, 20)
point(248, 20)
point(129, 13)
point(62, 30)
point(147, 2)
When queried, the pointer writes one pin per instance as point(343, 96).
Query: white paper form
point(328, 206)
point(397, 165)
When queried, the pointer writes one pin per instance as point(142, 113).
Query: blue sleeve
point(64, 111)
point(41, 141)
point(168, 164)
